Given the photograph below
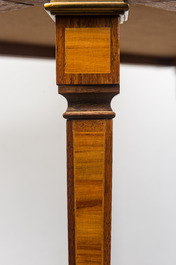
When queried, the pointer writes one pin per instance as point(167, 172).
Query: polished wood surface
point(89, 102)
point(87, 69)
point(37, 51)
point(140, 37)
point(87, 63)
point(87, 50)
point(89, 153)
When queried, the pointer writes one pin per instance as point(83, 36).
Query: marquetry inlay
point(87, 69)
point(87, 50)
point(89, 191)
point(89, 160)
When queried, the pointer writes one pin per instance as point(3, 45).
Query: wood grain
point(89, 102)
point(168, 5)
point(75, 58)
point(87, 63)
point(89, 162)
point(70, 195)
point(90, 177)
point(38, 51)
point(87, 50)
point(6, 6)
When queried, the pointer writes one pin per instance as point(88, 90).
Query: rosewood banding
point(89, 102)
point(89, 129)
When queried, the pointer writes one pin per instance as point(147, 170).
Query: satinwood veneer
point(87, 73)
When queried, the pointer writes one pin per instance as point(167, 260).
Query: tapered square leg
point(87, 73)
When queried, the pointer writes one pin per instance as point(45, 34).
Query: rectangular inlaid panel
point(87, 50)
point(89, 157)
point(89, 191)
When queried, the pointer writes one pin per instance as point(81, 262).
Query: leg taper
point(87, 66)
point(89, 151)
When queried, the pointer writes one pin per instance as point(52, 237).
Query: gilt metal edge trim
point(89, 8)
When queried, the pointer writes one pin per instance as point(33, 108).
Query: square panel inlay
point(87, 50)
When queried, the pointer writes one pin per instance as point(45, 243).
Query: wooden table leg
point(89, 167)
point(87, 65)
point(89, 150)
